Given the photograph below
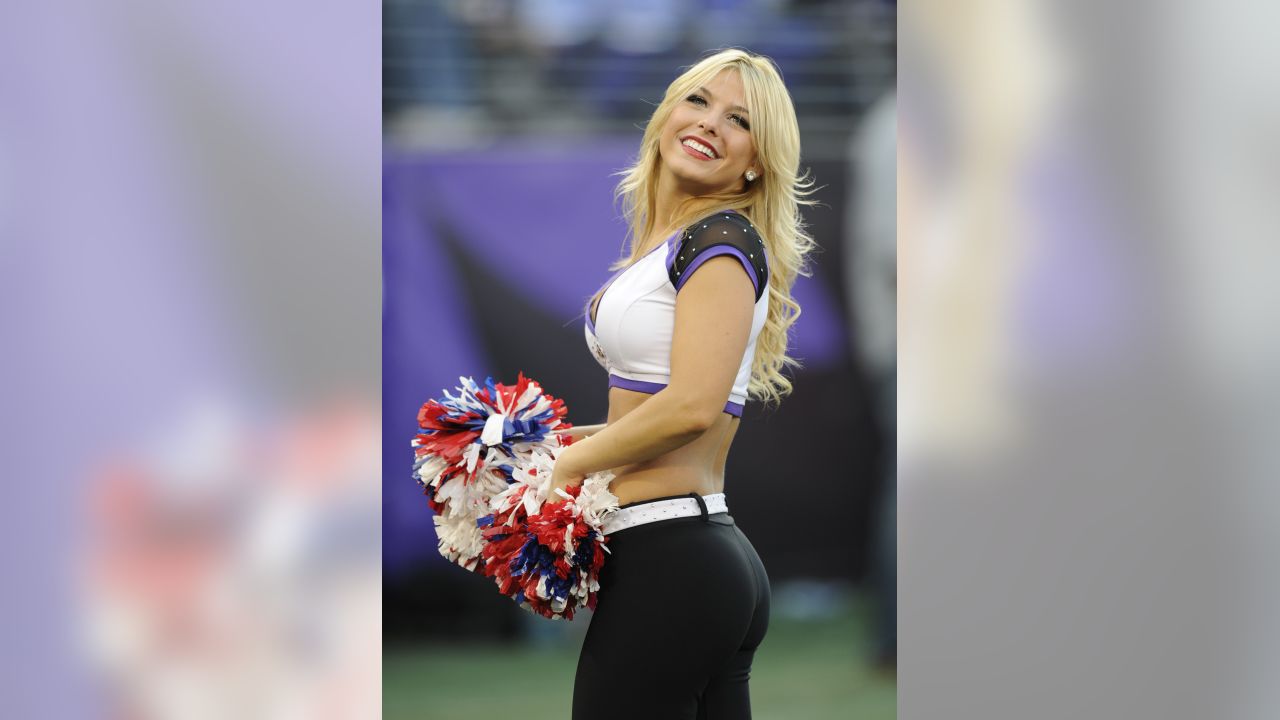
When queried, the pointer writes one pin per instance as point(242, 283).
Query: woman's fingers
point(579, 431)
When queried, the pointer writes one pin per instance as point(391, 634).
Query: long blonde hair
point(771, 202)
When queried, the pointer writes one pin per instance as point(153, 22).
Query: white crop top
point(634, 317)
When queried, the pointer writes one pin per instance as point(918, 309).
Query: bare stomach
point(695, 467)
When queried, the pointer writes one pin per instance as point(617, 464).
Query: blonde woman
point(693, 323)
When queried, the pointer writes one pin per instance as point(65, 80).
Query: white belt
point(662, 510)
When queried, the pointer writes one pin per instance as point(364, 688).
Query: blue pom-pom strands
point(484, 459)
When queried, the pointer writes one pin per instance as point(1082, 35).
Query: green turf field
point(813, 669)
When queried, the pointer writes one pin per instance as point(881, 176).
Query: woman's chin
point(703, 182)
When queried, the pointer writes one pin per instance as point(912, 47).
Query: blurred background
point(189, 303)
point(1088, 496)
point(190, 318)
point(504, 122)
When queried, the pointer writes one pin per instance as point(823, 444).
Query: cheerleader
point(692, 324)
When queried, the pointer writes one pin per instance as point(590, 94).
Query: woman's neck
point(668, 199)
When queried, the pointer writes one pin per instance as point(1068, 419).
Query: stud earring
point(751, 175)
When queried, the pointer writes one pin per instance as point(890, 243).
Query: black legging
point(682, 607)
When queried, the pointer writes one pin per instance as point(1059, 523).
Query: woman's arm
point(714, 310)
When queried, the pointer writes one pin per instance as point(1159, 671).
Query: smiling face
point(706, 144)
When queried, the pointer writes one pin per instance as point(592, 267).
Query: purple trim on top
point(716, 251)
point(635, 385)
point(649, 388)
point(591, 322)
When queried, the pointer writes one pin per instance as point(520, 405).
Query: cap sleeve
point(724, 233)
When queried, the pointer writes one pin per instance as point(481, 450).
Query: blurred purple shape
point(1077, 307)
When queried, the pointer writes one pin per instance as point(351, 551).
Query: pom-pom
point(546, 553)
point(469, 446)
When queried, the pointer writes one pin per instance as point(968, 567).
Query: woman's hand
point(564, 474)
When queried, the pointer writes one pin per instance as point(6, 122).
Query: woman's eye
point(696, 100)
point(741, 121)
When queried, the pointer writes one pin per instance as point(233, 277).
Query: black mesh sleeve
point(724, 233)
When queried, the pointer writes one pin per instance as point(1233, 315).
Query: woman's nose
point(708, 125)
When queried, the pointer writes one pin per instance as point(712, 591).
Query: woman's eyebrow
point(710, 94)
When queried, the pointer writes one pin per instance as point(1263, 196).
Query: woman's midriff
point(695, 467)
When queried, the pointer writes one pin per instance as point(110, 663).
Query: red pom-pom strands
point(467, 448)
point(484, 459)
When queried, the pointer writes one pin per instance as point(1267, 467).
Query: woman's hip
point(706, 554)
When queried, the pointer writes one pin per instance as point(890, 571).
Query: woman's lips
point(694, 153)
